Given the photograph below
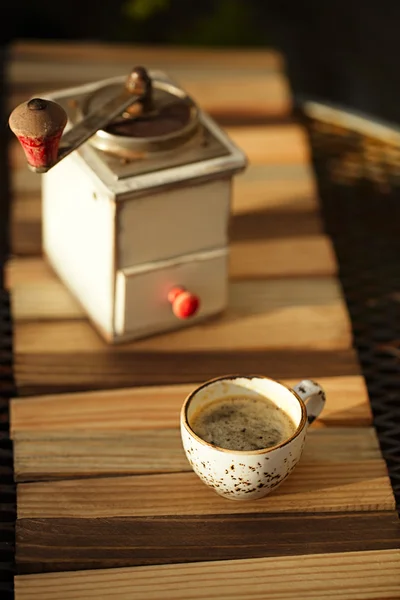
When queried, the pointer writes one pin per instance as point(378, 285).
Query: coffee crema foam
point(243, 423)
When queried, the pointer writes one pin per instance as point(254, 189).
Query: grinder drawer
point(173, 223)
point(144, 295)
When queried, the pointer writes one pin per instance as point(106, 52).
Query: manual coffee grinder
point(136, 195)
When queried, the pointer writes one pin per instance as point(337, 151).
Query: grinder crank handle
point(39, 124)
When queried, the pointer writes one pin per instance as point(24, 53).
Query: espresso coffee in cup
point(244, 434)
point(243, 423)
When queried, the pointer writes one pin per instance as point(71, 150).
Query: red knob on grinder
point(38, 125)
point(184, 303)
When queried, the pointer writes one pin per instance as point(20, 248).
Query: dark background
point(340, 51)
point(346, 51)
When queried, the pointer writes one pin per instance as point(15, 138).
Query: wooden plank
point(369, 575)
point(75, 453)
point(303, 256)
point(70, 544)
point(275, 226)
point(313, 486)
point(291, 256)
point(260, 89)
point(55, 372)
point(286, 187)
point(283, 188)
point(272, 144)
point(59, 51)
point(26, 224)
point(48, 351)
point(228, 97)
point(263, 145)
point(273, 200)
point(115, 411)
point(311, 256)
point(133, 499)
point(261, 315)
point(263, 221)
point(37, 293)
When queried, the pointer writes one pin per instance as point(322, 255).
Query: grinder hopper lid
point(163, 121)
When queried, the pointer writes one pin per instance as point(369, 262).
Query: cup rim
point(185, 421)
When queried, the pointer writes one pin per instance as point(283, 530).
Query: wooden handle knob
point(38, 125)
point(184, 303)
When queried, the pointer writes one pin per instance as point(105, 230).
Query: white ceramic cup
point(241, 474)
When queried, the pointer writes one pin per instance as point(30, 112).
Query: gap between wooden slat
point(48, 372)
point(370, 575)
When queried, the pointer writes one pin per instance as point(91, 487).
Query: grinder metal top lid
point(162, 121)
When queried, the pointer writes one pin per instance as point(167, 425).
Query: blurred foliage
point(217, 23)
point(144, 9)
point(186, 22)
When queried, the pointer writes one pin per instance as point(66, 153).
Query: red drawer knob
point(184, 304)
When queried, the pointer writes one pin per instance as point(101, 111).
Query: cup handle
point(313, 397)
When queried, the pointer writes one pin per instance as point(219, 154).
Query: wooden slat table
point(107, 504)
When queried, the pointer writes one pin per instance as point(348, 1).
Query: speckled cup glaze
point(247, 475)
